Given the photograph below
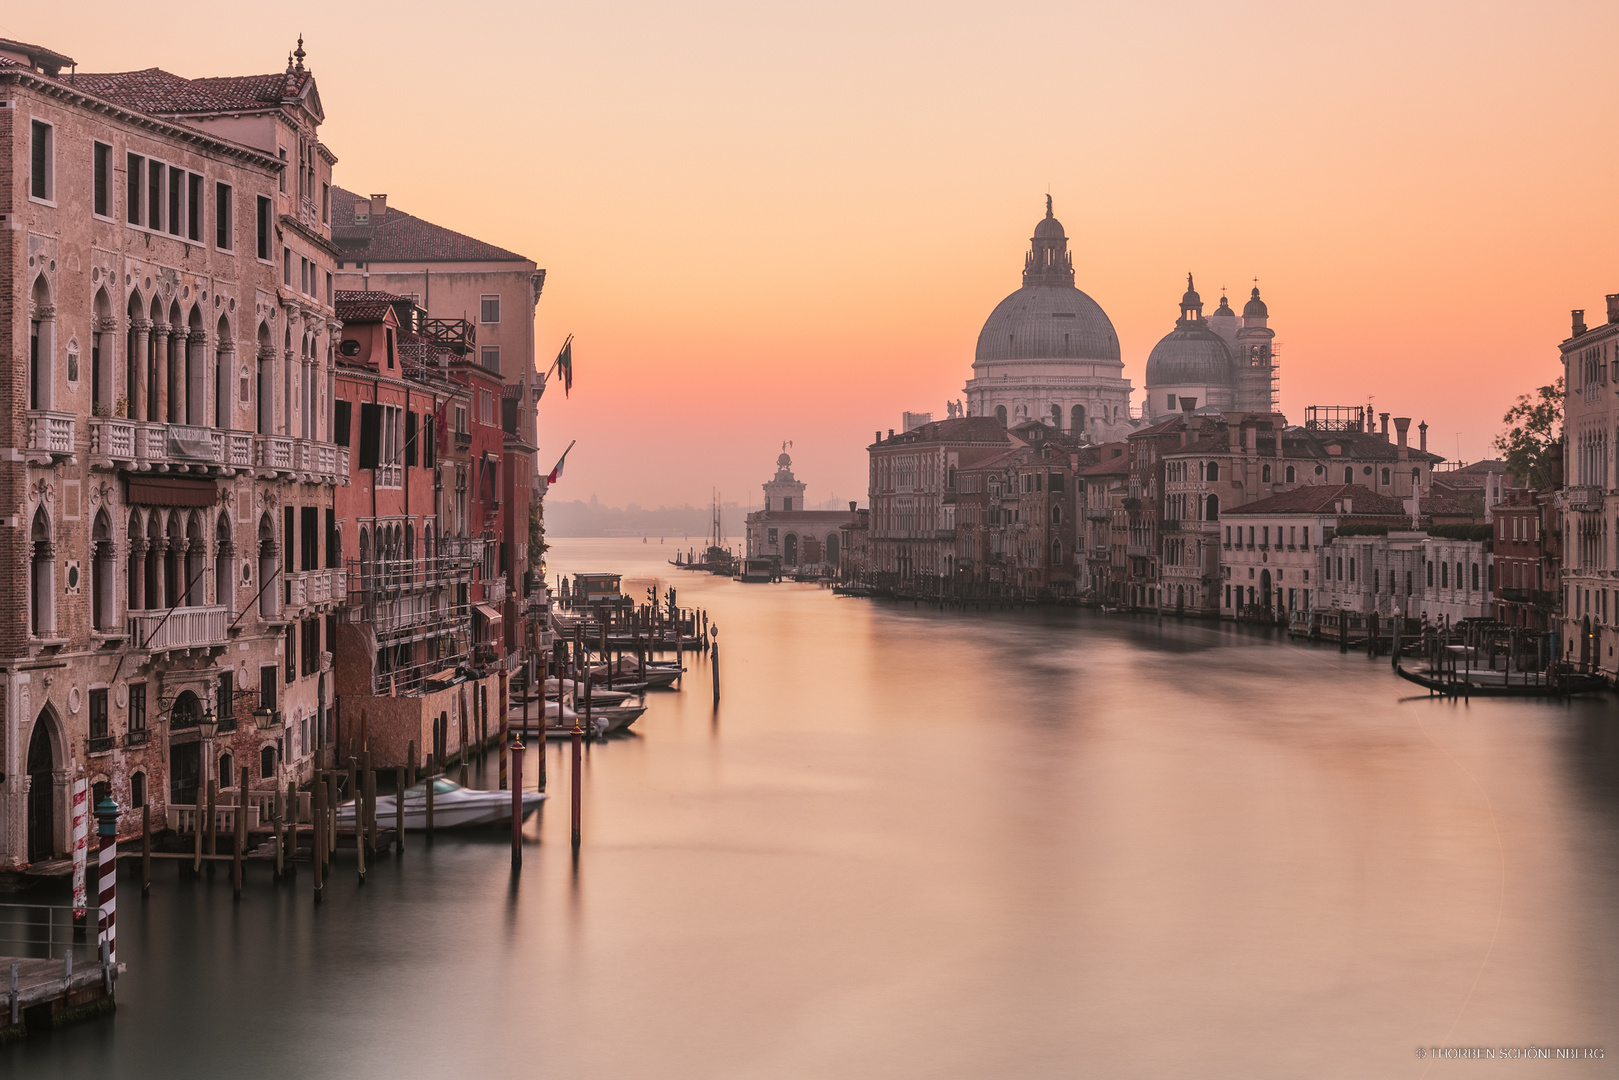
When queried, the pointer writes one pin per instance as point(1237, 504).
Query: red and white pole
point(80, 818)
point(107, 928)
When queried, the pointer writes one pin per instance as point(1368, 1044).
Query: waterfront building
point(1271, 547)
point(913, 492)
point(169, 314)
point(1526, 592)
point(1224, 363)
point(1105, 521)
point(788, 531)
point(1018, 514)
point(1589, 505)
point(1049, 352)
point(1437, 580)
point(485, 297)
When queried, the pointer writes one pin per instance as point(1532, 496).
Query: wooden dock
point(58, 977)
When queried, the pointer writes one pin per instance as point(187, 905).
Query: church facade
point(1223, 363)
point(786, 531)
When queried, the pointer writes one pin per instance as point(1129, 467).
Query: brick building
point(166, 293)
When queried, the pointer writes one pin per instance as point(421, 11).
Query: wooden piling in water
point(213, 830)
point(243, 776)
point(277, 816)
point(289, 824)
point(317, 808)
point(399, 810)
point(430, 778)
point(517, 801)
point(146, 849)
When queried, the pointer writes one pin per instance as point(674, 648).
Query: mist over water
point(922, 844)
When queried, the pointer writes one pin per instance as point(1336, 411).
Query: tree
point(1534, 435)
point(536, 533)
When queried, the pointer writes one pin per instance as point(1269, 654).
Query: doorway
point(41, 792)
point(185, 772)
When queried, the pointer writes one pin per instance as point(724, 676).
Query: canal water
point(934, 845)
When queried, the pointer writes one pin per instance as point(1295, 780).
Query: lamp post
point(207, 728)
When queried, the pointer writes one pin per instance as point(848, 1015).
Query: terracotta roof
point(401, 237)
point(154, 90)
point(1111, 464)
point(358, 307)
point(976, 429)
point(37, 54)
point(1321, 500)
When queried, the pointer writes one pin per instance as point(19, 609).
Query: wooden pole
point(517, 803)
point(331, 816)
point(430, 779)
point(197, 819)
point(290, 825)
point(242, 775)
point(410, 762)
point(399, 810)
point(213, 831)
point(714, 663)
point(578, 768)
point(146, 849)
point(277, 819)
point(505, 753)
point(369, 782)
point(317, 807)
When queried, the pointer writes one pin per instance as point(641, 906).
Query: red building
point(1525, 560)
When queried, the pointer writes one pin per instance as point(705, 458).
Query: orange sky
point(768, 222)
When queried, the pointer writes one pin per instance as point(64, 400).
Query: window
point(136, 167)
point(103, 179)
point(410, 439)
point(177, 186)
point(1349, 474)
point(267, 687)
point(1290, 474)
point(292, 651)
point(264, 228)
point(325, 202)
point(489, 309)
point(340, 422)
point(222, 217)
point(137, 706)
point(286, 268)
point(1264, 474)
point(225, 708)
point(267, 761)
point(194, 207)
point(154, 195)
point(281, 181)
point(328, 288)
point(1385, 477)
point(491, 357)
point(42, 174)
point(390, 335)
point(1306, 534)
point(98, 719)
point(137, 790)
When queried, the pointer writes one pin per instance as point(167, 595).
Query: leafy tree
point(536, 533)
point(1534, 434)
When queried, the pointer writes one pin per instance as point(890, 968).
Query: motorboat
point(454, 806)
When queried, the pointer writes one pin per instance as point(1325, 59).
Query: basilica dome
point(1048, 318)
point(1190, 354)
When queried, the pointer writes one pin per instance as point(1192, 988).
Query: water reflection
point(914, 844)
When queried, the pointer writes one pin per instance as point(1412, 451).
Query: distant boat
point(454, 807)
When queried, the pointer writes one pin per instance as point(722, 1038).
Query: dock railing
point(46, 932)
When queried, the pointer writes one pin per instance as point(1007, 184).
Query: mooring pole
point(517, 802)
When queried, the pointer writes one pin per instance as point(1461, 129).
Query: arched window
point(365, 559)
point(1056, 553)
point(101, 351)
point(103, 574)
point(1416, 477)
point(267, 761)
point(173, 568)
point(1212, 511)
point(224, 556)
point(1056, 417)
point(1056, 514)
point(193, 382)
point(269, 566)
point(41, 345)
point(1214, 471)
point(42, 578)
point(1385, 477)
point(1264, 474)
point(1430, 575)
point(1291, 475)
point(174, 367)
point(224, 770)
point(1000, 414)
point(195, 589)
point(137, 790)
point(224, 361)
point(1475, 575)
point(136, 333)
point(266, 382)
point(1077, 417)
point(1349, 474)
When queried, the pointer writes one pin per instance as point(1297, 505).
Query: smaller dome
point(1255, 308)
point(1049, 229)
point(783, 460)
point(1190, 299)
point(1225, 307)
point(1190, 355)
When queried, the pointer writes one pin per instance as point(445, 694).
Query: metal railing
point(47, 932)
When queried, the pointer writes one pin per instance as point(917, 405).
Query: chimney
point(877, 436)
point(1349, 504)
point(1579, 322)
point(379, 207)
point(1236, 437)
point(1422, 436)
point(1383, 418)
point(1278, 430)
point(851, 506)
point(1402, 429)
point(1613, 307)
point(890, 433)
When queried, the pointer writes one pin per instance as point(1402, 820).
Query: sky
point(771, 222)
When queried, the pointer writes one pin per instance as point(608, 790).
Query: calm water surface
point(913, 844)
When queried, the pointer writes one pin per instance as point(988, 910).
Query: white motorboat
point(454, 807)
point(600, 695)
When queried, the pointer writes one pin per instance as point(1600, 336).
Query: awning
point(172, 491)
point(488, 613)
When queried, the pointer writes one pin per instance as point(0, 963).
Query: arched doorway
point(1264, 588)
point(41, 791)
point(185, 758)
point(789, 549)
point(832, 550)
point(1180, 598)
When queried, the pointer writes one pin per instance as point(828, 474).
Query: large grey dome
point(1040, 322)
point(1190, 355)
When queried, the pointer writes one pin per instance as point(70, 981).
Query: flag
point(564, 366)
point(556, 473)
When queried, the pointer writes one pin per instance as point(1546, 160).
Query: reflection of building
point(172, 464)
point(786, 531)
point(1048, 352)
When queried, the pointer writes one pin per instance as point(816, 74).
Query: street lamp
point(207, 728)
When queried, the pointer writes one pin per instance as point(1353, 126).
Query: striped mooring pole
point(107, 906)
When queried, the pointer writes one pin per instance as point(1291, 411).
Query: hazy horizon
point(765, 224)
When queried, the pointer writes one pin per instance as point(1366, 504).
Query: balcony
point(309, 460)
point(180, 628)
point(312, 587)
point(1584, 498)
point(494, 590)
point(51, 433)
point(143, 447)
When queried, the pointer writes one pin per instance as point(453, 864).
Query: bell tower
point(1048, 261)
point(783, 492)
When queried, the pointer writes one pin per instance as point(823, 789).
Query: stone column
point(137, 363)
point(137, 576)
point(158, 405)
